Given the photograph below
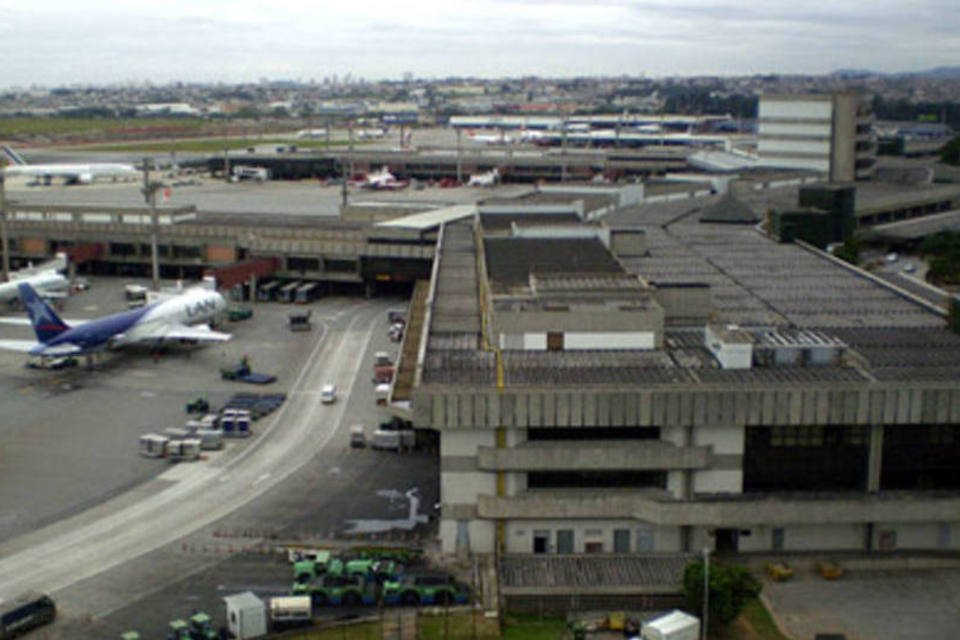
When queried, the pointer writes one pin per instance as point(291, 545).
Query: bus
point(24, 613)
point(288, 292)
point(308, 292)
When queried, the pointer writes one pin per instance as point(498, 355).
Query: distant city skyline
point(52, 43)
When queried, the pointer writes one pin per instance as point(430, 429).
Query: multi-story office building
point(831, 133)
point(664, 382)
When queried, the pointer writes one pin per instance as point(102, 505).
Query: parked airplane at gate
point(180, 318)
point(45, 278)
point(72, 173)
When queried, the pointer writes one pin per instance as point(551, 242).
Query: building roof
point(511, 261)
point(728, 209)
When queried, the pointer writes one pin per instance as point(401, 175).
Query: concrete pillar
point(875, 458)
point(253, 287)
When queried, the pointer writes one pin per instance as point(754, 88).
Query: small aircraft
point(500, 138)
point(45, 278)
point(488, 179)
point(72, 173)
point(382, 180)
point(179, 318)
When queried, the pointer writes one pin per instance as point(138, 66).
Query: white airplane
point(45, 278)
point(382, 180)
point(488, 179)
point(499, 138)
point(247, 172)
point(371, 134)
point(179, 318)
point(72, 173)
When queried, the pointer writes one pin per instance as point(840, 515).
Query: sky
point(66, 42)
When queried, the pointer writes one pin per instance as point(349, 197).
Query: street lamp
point(706, 593)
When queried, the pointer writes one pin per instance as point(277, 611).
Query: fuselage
point(46, 281)
point(140, 325)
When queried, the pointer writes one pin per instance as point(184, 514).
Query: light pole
point(706, 593)
point(150, 195)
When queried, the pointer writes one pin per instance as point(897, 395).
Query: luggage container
point(210, 439)
point(183, 450)
point(153, 445)
point(210, 421)
point(241, 427)
point(228, 422)
point(382, 393)
point(194, 425)
point(382, 359)
point(246, 616)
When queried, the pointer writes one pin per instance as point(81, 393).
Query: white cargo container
point(382, 393)
point(184, 450)
point(383, 439)
point(177, 433)
point(210, 438)
point(153, 445)
point(358, 436)
point(246, 616)
point(676, 625)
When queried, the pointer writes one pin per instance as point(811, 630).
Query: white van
point(328, 394)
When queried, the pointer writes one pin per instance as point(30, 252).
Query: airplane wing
point(198, 333)
point(33, 347)
point(25, 322)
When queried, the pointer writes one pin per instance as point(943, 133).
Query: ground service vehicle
point(328, 394)
point(26, 612)
point(307, 569)
point(358, 437)
point(425, 589)
point(201, 627)
point(338, 590)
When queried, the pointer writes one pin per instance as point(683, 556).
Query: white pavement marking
point(260, 479)
point(119, 531)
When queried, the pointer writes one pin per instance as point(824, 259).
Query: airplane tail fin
point(46, 323)
point(12, 156)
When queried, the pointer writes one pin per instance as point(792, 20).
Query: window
point(565, 541)
point(646, 541)
point(593, 546)
point(778, 539)
point(621, 541)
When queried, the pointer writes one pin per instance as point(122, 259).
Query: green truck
point(425, 588)
point(324, 563)
point(328, 589)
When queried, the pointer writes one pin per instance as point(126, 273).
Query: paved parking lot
point(871, 604)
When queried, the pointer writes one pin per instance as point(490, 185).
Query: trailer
point(382, 393)
point(300, 321)
point(307, 292)
point(184, 450)
point(246, 616)
point(288, 292)
point(290, 611)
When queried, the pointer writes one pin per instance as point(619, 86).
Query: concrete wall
point(727, 442)
point(478, 536)
point(581, 319)
point(644, 538)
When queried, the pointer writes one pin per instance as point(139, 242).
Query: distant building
point(831, 133)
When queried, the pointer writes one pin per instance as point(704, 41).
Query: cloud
point(54, 43)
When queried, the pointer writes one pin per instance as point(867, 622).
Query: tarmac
point(126, 533)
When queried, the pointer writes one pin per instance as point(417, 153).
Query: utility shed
point(676, 625)
point(246, 615)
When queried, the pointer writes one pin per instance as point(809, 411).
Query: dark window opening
point(805, 458)
point(595, 433)
point(596, 479)
point(921, 457)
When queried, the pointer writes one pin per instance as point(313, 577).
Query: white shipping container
point(153, 445)
point(246, 616)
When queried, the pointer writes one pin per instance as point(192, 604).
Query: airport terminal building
point(673, 378)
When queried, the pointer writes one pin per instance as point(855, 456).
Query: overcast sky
point(57, 42)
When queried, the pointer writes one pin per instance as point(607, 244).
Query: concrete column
point(875, 458)
point(253, 287)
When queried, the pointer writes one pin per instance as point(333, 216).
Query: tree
point(731, 588)
point(950, 154)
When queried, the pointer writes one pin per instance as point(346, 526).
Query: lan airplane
point(175, 319)
point(72, 173)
